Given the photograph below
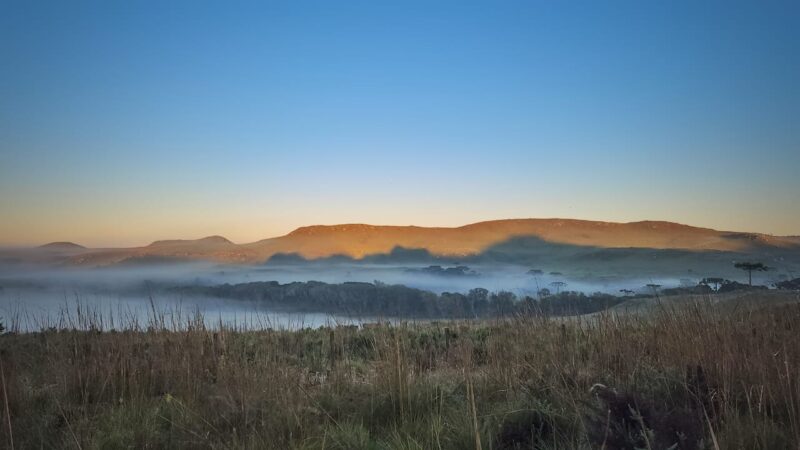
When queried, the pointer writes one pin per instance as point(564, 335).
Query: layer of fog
point(40, 297)
point(26, 309)
point(512, 278)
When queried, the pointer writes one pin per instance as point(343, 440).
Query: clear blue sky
point(126, 121)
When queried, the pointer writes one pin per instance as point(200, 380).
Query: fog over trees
point(379, 299)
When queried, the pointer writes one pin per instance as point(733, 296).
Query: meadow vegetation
point(686, 376)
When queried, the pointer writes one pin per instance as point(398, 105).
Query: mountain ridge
point(359, 240)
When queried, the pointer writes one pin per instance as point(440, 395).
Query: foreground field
point(686, 376)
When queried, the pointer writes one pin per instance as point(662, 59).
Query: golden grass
point(721, 377)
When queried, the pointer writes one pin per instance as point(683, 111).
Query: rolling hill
point(62, 246)
point(496, 237)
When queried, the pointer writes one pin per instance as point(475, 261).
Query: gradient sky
point(122, 122)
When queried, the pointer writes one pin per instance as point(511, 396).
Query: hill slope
point(62, 246)
point(360, 240)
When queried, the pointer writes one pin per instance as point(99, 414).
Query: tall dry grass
point(691, 376)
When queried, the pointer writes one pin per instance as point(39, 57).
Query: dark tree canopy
point(751, 267)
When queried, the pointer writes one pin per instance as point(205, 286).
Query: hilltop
point(206, 241)
point(62, 246)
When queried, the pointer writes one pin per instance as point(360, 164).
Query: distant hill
point(648, 248)
point(211, 248)
point(62, 246)
point(358, 240)
point(508, 240)
point(206, 241)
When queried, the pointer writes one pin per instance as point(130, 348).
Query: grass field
point(684, 376)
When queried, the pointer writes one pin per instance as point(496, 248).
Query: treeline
point(708, 286)
point(789, 285)
point(379, 299)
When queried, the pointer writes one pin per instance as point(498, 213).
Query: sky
point(123, 122)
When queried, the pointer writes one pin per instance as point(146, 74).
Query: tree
point(478, 294)
point(480, 300)
point(751, 267)
point(503, 302)
point(558, 285)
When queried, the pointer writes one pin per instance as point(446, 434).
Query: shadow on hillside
point(535, 252)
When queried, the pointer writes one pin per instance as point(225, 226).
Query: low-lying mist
point(42, 297)
point(435, 278)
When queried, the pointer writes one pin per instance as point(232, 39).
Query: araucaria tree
point(558, 285)
point(751, 267)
